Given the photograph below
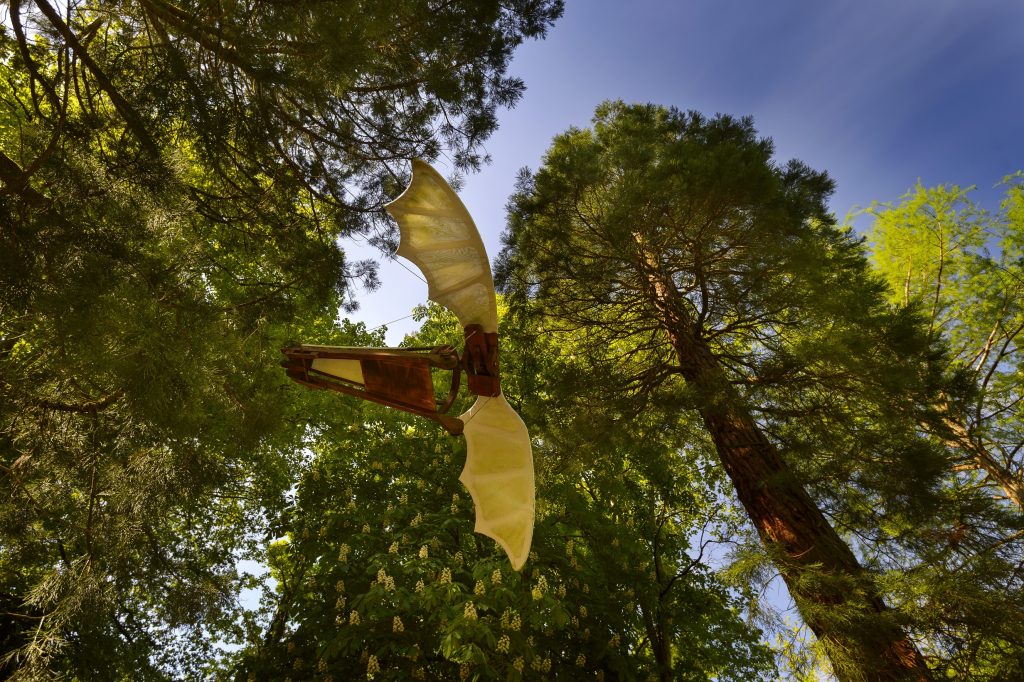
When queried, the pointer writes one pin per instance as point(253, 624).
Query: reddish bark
point(820, 570)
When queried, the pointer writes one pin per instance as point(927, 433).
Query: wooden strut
point(401, 377)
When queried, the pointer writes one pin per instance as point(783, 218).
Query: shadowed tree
point(174, 182)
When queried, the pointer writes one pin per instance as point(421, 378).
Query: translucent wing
point(438, 235)
point(499, 475)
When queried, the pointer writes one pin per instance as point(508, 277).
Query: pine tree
point(696, 265)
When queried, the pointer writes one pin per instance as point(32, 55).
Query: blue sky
point(880, 93)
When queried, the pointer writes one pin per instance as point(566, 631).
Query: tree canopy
point(175, 182)
point(964, 266)
point(722, 384)
point(709, 277)
point(379, 572)
point(960, 265)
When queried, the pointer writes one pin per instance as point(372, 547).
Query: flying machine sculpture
point(439, 237)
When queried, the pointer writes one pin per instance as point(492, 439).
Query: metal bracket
point(480, 360)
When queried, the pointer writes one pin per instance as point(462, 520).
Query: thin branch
point(124, 108)
point(91, 407)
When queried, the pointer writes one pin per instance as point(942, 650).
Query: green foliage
point(381, 573)
point(965, 267)
point(783, 298)
point(176, 179)
point(962, 266)
point(654, 233)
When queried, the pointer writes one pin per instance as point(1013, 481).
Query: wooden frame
point(396, 377)
point(401, 377)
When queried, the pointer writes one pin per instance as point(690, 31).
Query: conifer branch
point(127, 112)
point(90, 407)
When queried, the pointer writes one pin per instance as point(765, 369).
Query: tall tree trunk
point(663, 650)
point(836, 597)
point(661, 640)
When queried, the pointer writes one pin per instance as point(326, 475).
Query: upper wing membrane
point(438, 235)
